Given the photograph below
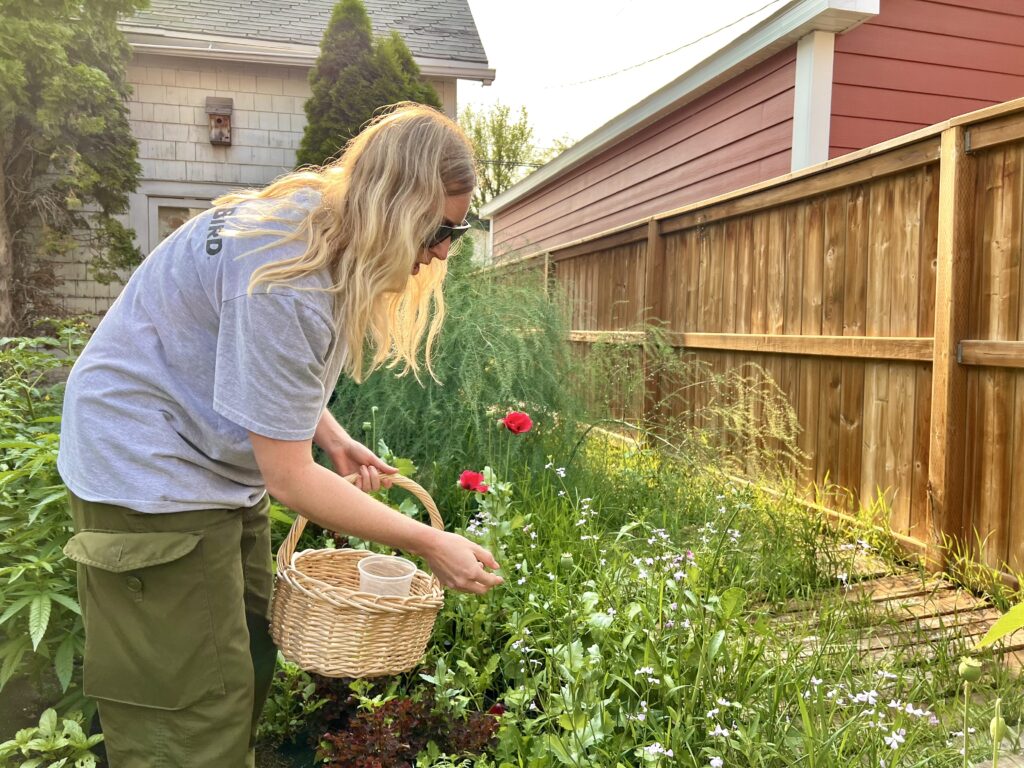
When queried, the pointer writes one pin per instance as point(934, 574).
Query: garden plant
point(654, 605)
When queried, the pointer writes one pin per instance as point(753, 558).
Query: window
point(166, 214)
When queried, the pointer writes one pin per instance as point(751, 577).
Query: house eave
point(183, 45)
point(781, 30)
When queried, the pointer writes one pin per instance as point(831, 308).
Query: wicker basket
point(322, 622)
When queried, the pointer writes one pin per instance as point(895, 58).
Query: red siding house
point(815, 80)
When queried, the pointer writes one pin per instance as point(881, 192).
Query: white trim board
point(187, 45)
point(784, 28)
point(812, 100)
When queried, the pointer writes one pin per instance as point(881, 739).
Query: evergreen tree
point(353, 78)
point(67, 155)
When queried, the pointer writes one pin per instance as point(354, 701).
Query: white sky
point(543, 51)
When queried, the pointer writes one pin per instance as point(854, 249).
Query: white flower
point(560, 471)
point(657, 749)
point(897, 738)
point(716, 762)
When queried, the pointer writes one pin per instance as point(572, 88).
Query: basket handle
point(287, 549)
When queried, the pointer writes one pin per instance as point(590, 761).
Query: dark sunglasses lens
point(444, 232)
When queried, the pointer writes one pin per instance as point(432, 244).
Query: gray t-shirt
point(158, 407)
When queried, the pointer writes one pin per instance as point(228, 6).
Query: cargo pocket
point(149, 637)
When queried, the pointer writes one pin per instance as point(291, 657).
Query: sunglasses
point(446, 231)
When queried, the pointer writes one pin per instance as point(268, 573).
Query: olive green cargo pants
point(177, 647)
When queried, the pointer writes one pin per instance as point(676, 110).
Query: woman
point(204, 388)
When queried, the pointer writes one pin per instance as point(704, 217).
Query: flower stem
point(967, 690)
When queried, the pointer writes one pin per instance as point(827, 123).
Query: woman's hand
point(460, 563)
point(349, 456)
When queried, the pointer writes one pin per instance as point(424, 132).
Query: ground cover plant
point(640, 625)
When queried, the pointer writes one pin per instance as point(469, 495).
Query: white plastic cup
point(386, 575)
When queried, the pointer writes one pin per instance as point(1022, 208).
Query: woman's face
point(455, 209)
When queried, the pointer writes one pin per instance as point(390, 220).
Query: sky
point(576, 64)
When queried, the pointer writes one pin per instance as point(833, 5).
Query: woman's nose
point(440, 250)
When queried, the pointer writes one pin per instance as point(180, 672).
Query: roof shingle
point(442, 29)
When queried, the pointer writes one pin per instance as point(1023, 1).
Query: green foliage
point(67, 154)
point(503, 347)
point(291, 702)
point(51, 744)
point(505, 149)
point(40, 622)
point(353, 78)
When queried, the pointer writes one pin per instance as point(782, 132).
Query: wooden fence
point(881, 290)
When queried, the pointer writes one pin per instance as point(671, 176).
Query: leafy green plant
point(291, 702)
point(54, 743)
point(40, 620)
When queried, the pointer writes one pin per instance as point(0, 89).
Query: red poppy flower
point(473, 481)
point(518, 422)
point(497, 710)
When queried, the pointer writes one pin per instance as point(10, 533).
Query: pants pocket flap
point(118, 552)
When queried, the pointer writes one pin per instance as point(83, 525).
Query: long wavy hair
point(380, 202)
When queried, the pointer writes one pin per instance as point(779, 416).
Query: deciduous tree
point(505, 149)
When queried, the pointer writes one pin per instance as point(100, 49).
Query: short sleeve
point(272, 351)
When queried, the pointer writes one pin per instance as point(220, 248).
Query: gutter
point(183, 45)
point(782, 29)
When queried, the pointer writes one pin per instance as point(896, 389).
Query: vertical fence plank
point(1015, 517)
point(952, 282)
point(652, 309)
point(809, 228)
point(833, 270)
point(921, 518)
point(851, 442)
point(903, 322)
point(875, 479)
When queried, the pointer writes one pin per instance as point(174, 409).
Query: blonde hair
point(380, 203)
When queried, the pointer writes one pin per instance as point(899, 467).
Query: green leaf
point(14, 607)
point(716, 644)
point(48, 722)
point(1007, 624)
point(40, 505)
point(732, 602)
point(64, 661)
point(556, 745)
point(39, 619)
point(68, 602)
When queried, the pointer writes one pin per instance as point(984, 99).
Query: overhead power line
point(667, 53)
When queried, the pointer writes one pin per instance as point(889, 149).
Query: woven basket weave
point(322, 622)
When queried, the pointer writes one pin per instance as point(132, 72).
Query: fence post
point(949, 379)
point(653, 303)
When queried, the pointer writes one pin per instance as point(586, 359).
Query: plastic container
point(386, 575)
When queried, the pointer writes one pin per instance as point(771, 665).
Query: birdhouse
point(218, 109)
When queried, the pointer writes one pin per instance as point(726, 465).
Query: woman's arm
point(332, 502)
point(349, 456)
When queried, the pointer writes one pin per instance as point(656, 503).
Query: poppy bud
point(969, 669)
point(997, 729)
